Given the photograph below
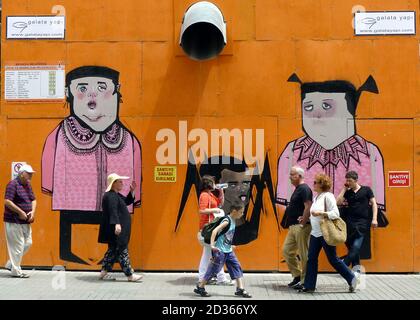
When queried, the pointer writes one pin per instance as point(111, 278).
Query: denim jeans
point(219, 259)
point(315, 246)
point(354, 245)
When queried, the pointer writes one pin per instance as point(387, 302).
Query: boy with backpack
point(222, 253)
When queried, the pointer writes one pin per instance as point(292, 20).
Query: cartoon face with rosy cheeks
point(326, 113)
point(95, 102)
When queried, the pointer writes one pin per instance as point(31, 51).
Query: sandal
point(243, 293)
point(202, 292)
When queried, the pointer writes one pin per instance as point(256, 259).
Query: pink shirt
point(355, 154)
point(77, 161)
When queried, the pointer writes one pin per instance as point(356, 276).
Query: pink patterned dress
point(76, 162)
point(355, 154)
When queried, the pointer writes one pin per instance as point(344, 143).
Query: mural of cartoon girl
point(85, 148)
point(331, 143)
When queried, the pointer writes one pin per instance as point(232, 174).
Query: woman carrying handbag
point(324, 206)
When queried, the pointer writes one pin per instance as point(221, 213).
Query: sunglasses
point(316, 182)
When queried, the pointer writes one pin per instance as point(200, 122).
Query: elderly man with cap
point(19, 213)
point(115, 227)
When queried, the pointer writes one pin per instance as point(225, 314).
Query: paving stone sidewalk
point(65, 285)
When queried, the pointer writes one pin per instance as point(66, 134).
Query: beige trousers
point(297, 242)
point(19, 240)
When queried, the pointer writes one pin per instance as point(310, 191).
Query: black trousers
point(117, 253)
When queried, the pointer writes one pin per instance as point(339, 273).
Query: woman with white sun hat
point(115, 227)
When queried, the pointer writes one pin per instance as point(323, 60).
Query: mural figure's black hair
point(92, 71)
point(352, 94)
point(294, 78)
point(368, 86)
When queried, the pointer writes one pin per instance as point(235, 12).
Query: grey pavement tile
point(167, 286)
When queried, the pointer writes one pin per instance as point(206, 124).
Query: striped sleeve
point(10, 191)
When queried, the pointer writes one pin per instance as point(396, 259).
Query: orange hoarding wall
point(244, 88)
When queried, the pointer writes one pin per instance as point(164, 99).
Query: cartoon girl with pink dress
point(331, 143)
point(85, 148)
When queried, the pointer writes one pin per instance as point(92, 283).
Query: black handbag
point(382, 219)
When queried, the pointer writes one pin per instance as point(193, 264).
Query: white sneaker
point(225, 283)
point(357, 268)
point(355, 282)
point(8, 265)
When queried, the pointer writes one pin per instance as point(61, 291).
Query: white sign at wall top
point(36, 27)
point(26, 83)
point(385, 23)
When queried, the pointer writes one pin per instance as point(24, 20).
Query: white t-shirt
point(322, 201)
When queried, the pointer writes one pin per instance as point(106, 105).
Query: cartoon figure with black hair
point(241, 183)
point(331, 143)
point(85, 148)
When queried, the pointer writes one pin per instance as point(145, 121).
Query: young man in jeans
point(222, 253)
point(358, 199)
point(297, 217)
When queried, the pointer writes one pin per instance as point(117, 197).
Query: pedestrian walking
point(209, 206)
point(324, 206)
point(358, 200)
point(19, 214)
point(115, 228)
point(296, 219)
point(222, 253)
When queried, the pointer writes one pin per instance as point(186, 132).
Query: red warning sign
point(398, 178)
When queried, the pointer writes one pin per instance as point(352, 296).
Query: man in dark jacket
point(115, 227)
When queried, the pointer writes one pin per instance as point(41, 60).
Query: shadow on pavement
point(184, 281)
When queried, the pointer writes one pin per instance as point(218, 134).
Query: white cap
point(26, 168)
point(112, 178)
